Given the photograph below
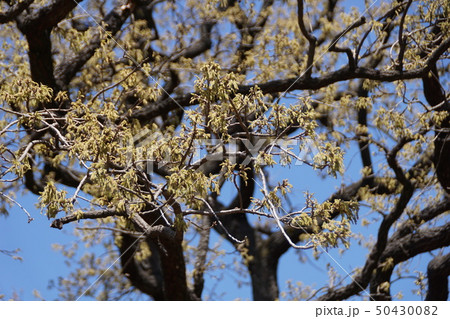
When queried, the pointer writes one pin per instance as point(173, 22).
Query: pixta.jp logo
point(152, 151)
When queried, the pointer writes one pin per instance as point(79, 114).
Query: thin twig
point(227, 212)
point(8, 126)
point(30, 219)
point(220, 223)
point(136, 68)
point(74, 197)
point(276, 217)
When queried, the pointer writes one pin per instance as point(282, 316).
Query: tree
point(130, 118)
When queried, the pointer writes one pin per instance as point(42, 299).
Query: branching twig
point(392, 161)
point(309, 36)
point(74, 197)
point(275, 215)
point(219, 222)
point(95, 214)
point(333, 47)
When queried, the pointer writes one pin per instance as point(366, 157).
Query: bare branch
point(94, 214)
point(273, 210)
point(116, 230)
point(309, 36)
point(220, 222)
point(333, 47)
point(436, 54)
point(151, 231)
point(277, 86)
point(392, 161)
point(30, 219)
point(401, 38)
point(225, 212)
point(69, 67)
point(404, 248)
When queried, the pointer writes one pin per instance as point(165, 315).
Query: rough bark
point(405, 248)
point(435, 96)
point(438, 272)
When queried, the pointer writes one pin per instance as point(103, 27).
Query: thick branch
point(309, 36)
point(96, 214)
point(40, 56)
point(427, 214)
point(146, 275)
point(202, 251)
point(174, 269)
point(438, 272)
point(261, 267)
point(150, 231)
point(401, 38)
point(406, 248)
point(37, 26)
point(31, 184)
point(46, 17)
point(303, 83)
point(62, 174)
point(14, 11)
point(362, 280)
point(276, 86)
point(363, 139)
point(392, 161)
point(333, 47)
point(112, 22)
point(436, 54)
point(435, 95)
point(198, 47)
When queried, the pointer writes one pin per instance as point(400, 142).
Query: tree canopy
point(154, 125)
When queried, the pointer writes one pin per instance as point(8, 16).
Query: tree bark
point(438, 272)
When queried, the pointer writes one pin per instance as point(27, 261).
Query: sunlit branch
point(30, 219)
point(273, 210)
point(211, 210)
point(96, 214)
